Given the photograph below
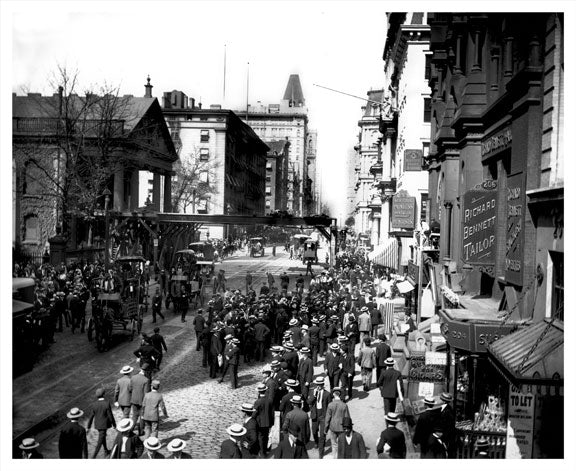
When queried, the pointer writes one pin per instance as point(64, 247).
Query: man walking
point(103, 419)
point(232, 354)
point(335, 414)
point(123, 391)
point(261, 333)
point(152, 404)
point(364, 324)
point(305, 371)
point(366, 361)
point(264, 415)
point(382, 352)
point(231, 448)
point(297, 417)
point(140, 387)
point(350, 443)
point(126, 444)
point(151, 447)
point(391, 386)
point(332, 365)
point(72, 443)
point(157, 341)
point(199, 323)
point(157, 306)
point(392, 441)
point(318, 401)
point(425, 424)
point(290, 446)
point(248, 282)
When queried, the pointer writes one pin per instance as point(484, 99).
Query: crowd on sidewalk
point(335, 324)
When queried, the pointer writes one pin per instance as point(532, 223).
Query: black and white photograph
point(286, 230)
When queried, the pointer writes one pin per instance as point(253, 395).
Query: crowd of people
point(335, 324)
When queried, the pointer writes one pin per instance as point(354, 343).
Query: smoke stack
point(148, 87)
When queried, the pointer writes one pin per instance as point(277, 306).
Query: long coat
point(305, 371)
point(395, 440)
point(230, 450)
point(263, 412)
point(424, 428)
point(358, 448)
point(134, 447)
point(336, 411)
point(251, 437)
point(387, 383)
point(123, 391)
point(151, 405)
point(101, 415)
point(331, 364)
point(140, 386)
point(300, 418)
point(286, 451)
point(315, 413)
point(72, 442)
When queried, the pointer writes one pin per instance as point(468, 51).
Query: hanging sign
point(520, 429)
point(403, 211)
point(515, 228)
point(479, 225)
point(413, 160)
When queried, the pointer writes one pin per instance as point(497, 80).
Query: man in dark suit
point(140, 386)
point(199, 323)
point(392, 441)
point(448, 424)
point(175, 447)
point(72, 443)
point(231, 448)
point(425, 424)
point(264, 415)
point(314, 334)
point(290, 447)
point(391, 386)
point(318, 401)
point(250, 445)
point(29, 452)
point(231, 359)
point(159, 344)
point(291, 359)
point(261, 333)
point(299, 418)
point(292, 387)
point(216, 348)
point(103, 419)
point(157, 305)
point(126, 444)
point(332, 365)
point(151, 447)
point(350, 443)
point(382, 353)
point(436, 448)
point(347, 372)
point(305, 372)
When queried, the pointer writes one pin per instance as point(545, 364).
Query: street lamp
point(107, 193)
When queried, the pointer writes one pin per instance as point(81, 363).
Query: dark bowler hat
point(346, 422)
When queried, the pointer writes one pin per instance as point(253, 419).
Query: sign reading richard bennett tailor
point(403, 211)
point(479, 227)
point(515, 228)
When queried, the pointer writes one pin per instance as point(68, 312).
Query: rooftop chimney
point(148, 87)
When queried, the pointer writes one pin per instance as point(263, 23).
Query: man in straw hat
point(231, 448)
point(298, 417)
point(250, 440)
point(29, 451)
point(151, 447)
point(103, 419)
point(448, 423)
point(72, 443)
point(425, 425)
point(305, 371)
point(318, 401)
point(264, 415)
point(391, 386)
point(335, 413)
point(392, 443)
point(126, 444)
point(140, 384)
point(175, 447)
point(123, 391)
point(152, 404)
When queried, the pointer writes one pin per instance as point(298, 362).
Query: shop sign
point(413, 160)
point(485, 334)
point(496, 142)
point(412, 273)
point(479, 226)
point(516, 205)
point(421, 371)
point(403, 211)
point(520, 429)
point(458, 334)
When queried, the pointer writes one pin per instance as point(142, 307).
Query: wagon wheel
point(90, 329)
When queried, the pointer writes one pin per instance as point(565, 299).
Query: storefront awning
point(386, 254)
point(532, 355)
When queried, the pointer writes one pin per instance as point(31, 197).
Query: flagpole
point(247, 87)
point(224, 85)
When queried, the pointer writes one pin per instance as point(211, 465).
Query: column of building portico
point(167, 193)
point(375, 231)
point(134, 188)
point(118, 196)
point(156, 191)
point(385, 219)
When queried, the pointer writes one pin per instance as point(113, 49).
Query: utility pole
point(247, 88)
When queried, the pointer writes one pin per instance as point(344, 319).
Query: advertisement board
point(520, 428)
point(413, 160)
point(516, 196)
point(403, 211)
point(479, 211)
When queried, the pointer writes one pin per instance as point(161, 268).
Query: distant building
point(277, 176)
point(227, 160)
point(288, 120)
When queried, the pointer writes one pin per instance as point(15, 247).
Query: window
point(269, 165)
point(204, 153)
point(427, 109)
point(425, 149)
point(557, 284)
point(268, 190)
point(31, 229)
point(202, 206)
point(203, 176)
point(427, 68)
point(204, 135)
point(268, 178)
point(268, 203)
point(423, 206)
point(32, 179)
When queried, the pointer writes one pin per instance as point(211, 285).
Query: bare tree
point(195, 182)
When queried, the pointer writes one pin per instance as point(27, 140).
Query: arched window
point(31, 229)
point(32, 179)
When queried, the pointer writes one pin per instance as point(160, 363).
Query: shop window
point(204, 135)
point(268, 203)
point(202, 206)
point(31, 229)
point(204, 154)
point(557, 284)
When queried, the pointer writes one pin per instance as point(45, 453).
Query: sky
point(181, 46)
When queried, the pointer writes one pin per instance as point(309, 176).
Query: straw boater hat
point(364, 308)
point(229, 337)
point(304, 327)
point(261, 388)
point(292, 383)
point(152, 443)
point(429, 401)
point(389, 361)
point(293, 321)
point(446, 397)
point(176, 445)
point(235, 340)
point(319, 380)
point(266, 369)
point(75, 413)
point(392, 417)
point(296, 399)
point(126, 370)
point(289, 346)
point(236, 430)
point(29, 444)
point(247, 407)
point(124, 425)
point(304, 350)
point(275, 364)
point(334, 346)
